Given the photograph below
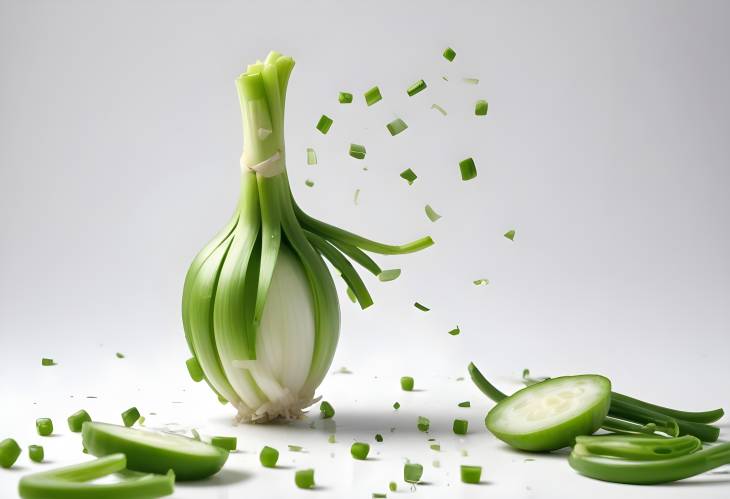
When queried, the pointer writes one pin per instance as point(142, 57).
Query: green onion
point(420, 307)
point(35, 452)
point(406, 384)
point(412, 472)
point(449, 54)
point(431, 213)
point(423, 424)
point(356, 197)
point(471, 81)
point(510, 234)
point(9, 452)
point(409, 176)
point(455, 332)
point(120, 355)
point(468, 169)
point(44, 426)
point(331, 439)
point(396, 126)
point(196, 373)
point(466, 403)
point(435, 447)
point(396, 405)
point(311, 156)
point(77, 419)
point(378, 437)
point(326, 409)
point(130, 416)
point(360, 450)
point(357, 151)
point(439, 109)
point(377, 495)
point(324, 124)
point(351, 295)
point(416, 87)
point(372, 96)
point(304, 478)
point(392, 486)
point(461, 426)
point(227, 443)
point(471, 474)
point(141, 420)
point(295, 448)
point(268, 457)
point(309, 183)
point(388, 275)
point(47, 362)
point(345, 98)
point(481, 108)
point(481, 282)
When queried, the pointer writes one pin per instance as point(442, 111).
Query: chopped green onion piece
point(412, 472)
point(423, 424)
point(455, 331)
point(445, 78)
point(120, 355)
point(331, 439)
point(389, 275)
point(309, 183)
point(510, 234)
point(324, 124)
point(449, 54)
point(141, 420)
point(345, 98)
point(372, 96)
point(194, 369)
point(420, 307)
point(77, 419)
point(396, 405)
point(304, 479)
point(406, 383)
point(227, 443)
point(481, 107)
point(268, 457)
point(471, 474)
point(431, 213)
point(35, 452)
point(356, 197)
point(47, 362)
point(471, 81)
point(464, 452)
point(44, 426)
point(525, 373)
point(378, 437)
point(130, 416)
point(408, 175)
point(9, 452)
point(295, 448)
point(357, 151)
point(461, 426)
point(439, 109)
point(468, 169)
point(393, 486)
point(311, 156)
point(396, 126)
point(326, 409)
point(481, 282)
point(360, 450)
point(221, 399)
point(416, 87)
point(466, 403)
point(379, 495)
point(351, 295)
point(436, 447)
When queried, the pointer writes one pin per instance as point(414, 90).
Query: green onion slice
point(466, 403)
point(324, 124)
point(408, 175)
point(378, 437)
point(481, 282)
point(326, 409)
point(396, 126)
point(468, 169)
point(416, 87)
point(345, 98)
point(309, 183)
point(471, 81)
point(396, 405)
point(449, 54)
point(471, 474)
point(412, 472)
point(120, 355)
point(510, 234)
point(268, 457)
point(295, 448)
point(311, 156)
point(423, 424)
point(455, 332)
point(481, 107)
point(44, 426)
point(77, 419)
point(460, 426)
point(227, 443)
point(360, 450)
point(431, 213)
point(130, 416)
point(357, 151)
point(304, 479)
point(372, 96)
point(420, 307)
point(407, 383)
point(439, 109)
point(47, 362)
point(35, 452)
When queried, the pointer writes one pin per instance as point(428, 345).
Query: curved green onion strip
point(695, 417)
point(71, 482)
point(641, 414)
point(359, 256)
point(622, 426)
point(638, 448)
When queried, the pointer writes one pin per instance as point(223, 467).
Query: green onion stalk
point(260, 309)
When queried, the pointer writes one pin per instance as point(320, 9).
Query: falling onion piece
point(9, 452)
point(468, 169)
point(412, 472)
point(77, 419)
point(449, 54)
point(460, 426)
point(304, 479)
point(356, 197)
point(406, 384)
point(409, 176)
point(378, 437)
point(268, 457)
point(420, 307)
point(357, 151)
point(360, 450)
point(439, 109)
point(36, 453)
point(431, 213)
point(227, 443)
point(44, 426)
point(510, 234)
point(396, 126)
point(396, 405)
point(295, 448)
point(345, 98)
point(389, 275)
point(416, 87)
point(119, 355)
point(471, 474)
point(481, 282)
point(423, 424)
point(372, 96)
point(481, 107)
point(455, 332)
point(326, 409)
point(47, 362)
point(130, 416)
point(466, 403)
point(196, 373)
point(311, 156)
point(324, 124)
point(309, 183)
point(471, 81)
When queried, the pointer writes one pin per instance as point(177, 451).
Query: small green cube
point(227, 443)
point(409, 176)
point(326, 409)
point(360, 450)
point(468, 169)
point(130, 416)
point(372, 96)
point(268, 457)
point(77, 419)
point(9, 452)
point(416, 87)
point(471, 474)
point(304, 479)
point(396, 126)
point(423, 424)
point(324, 124)
point(44, 426)
point(481, 108)
point(407, 383)
point(449, 54)
point(47, 362)
point(35, 452)
point(396, 405)
point(345, 98)
point(461, 426)
point(466, 403)
point(412, 472)
point(357, 151)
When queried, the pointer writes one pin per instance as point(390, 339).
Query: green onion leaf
point(406, 384)
point(357, 151)
point(412, 472)
point(311, 156)
point(47, 362)
point(420, 307)
point(471, 474)
point(130, 416)
point(35, 452)
point(378, 437)
point(449, 54)
point(471, 81)
point(120, 355)
point(416, 87)
point(423, 424)
point(324, 124)
point(481, 107)
point(372, 96)
point(468, 169)
point(396, 126)
point(431, 213)
point(408, 175)
point(309, 183)
point(481, 282)
point(295, 448)
point(304, 478)
point(268, 457)
point(510, 234)
point(9, 452)
point(194, 369)
point(439, 109)
point(345, 98)
point(44, 426)
point(461, 426)
point(360, 450)
point(77, 419)
point(396, 405)
point(388, 275)
point(228, 443)
point(326, 409)
point(466, 403)
point(455, 332)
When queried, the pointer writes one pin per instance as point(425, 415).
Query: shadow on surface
point(225, 477)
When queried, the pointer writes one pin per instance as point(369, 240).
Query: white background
point(606, 148)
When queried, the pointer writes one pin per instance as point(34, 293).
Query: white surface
point(605, 148)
